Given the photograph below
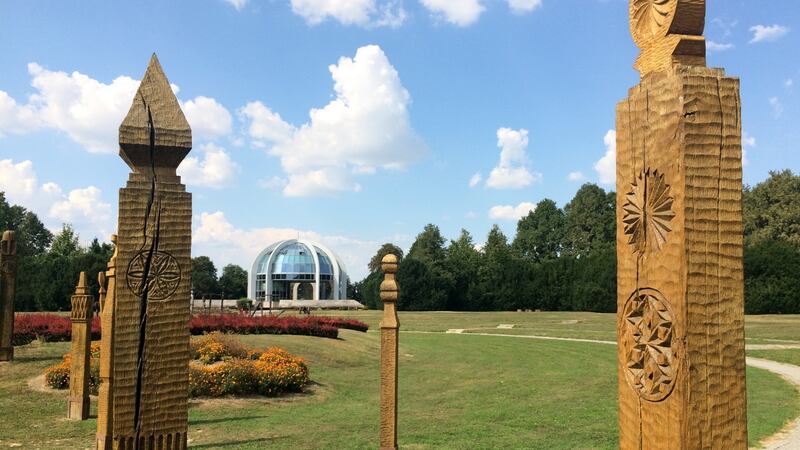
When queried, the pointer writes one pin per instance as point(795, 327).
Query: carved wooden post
point(78, 406)
point(389, 341)
point(680, 310)
point(150, 348)
point(8, 292)
point(105, 397)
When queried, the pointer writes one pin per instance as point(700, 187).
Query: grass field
point(456, 391)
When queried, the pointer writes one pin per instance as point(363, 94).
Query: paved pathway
point(787, 439)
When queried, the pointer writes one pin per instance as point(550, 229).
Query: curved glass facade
point(287, 270)
point(293, 259)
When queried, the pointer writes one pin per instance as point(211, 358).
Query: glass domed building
point(297, 269)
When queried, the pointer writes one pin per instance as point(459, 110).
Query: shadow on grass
point(224, 419)
point(26, 359)
point(233, 443)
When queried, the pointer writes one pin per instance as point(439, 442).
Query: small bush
point(244, 304)
point(236, 371)
point(57, 376)
point(217, 346)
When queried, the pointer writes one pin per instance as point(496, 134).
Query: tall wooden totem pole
point(390, 327)
point(679, 241)
point(80, 352)
point(8, 292)
point(149, 350)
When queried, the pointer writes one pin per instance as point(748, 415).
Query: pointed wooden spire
point(154, 101)
point(82, 288)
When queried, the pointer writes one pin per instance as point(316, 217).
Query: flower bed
point(57, 376)
point(54, 328)
point(222, 366)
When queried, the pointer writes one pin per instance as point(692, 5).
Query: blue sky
point(356, 122)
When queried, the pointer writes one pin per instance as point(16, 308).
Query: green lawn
point(456, 391)
point(789, 356)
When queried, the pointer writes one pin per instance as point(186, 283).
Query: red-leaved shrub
point(47, 327)
point(55, 328)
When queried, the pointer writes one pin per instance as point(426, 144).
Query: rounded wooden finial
point(389, 263)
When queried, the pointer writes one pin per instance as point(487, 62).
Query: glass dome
point(294, 258)
point(325, 266)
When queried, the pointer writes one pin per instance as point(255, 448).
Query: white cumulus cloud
point(458, 12)
point(82, 207)
point(90, 112)
point(208, 119)
point(523, 6)
point(215, 169)
point(216, 237)
point(512, 170)
point(717, 47)
point(366, 13)
point(511, 212)
point(475, 179)
point(365, 127)
point(576, 176)
point(777, 107)
point(237, 4)
point(606, 167)
point(767, 33)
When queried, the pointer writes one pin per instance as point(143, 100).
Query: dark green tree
point(375, 262)
point(540, 233)
point(233, 282)
point(590, 219)
point(32, 237)
point(425, 283)
point(771, 209)
point(204, 277)
point(429, 245)
point(462, 264)
point(771, 277)
point(500, 274)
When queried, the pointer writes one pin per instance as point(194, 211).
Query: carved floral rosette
point(650, 344)
point(159, 277)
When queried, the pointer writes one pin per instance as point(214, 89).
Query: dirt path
point(786, 439)
point(789, 438)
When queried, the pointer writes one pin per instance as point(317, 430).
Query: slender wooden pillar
point(105, 397)
point(150, 348)
point(680, 308)
point(8, 292)
point(389, 344)
point(82, 304)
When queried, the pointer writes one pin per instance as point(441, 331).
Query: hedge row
point(54, 328)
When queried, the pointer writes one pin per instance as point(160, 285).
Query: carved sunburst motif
point(162, 279)
point(647, 211)
point(651, 18)
point(648, 338)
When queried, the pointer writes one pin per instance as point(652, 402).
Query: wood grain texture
point(81, 340)
point(684, 122)
point(105, 397)
point(8, 292)
point(149, 347)
point(668, 32)
point(390, 326)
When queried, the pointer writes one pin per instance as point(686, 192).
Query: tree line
point(559, 259)
point(564, 259)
